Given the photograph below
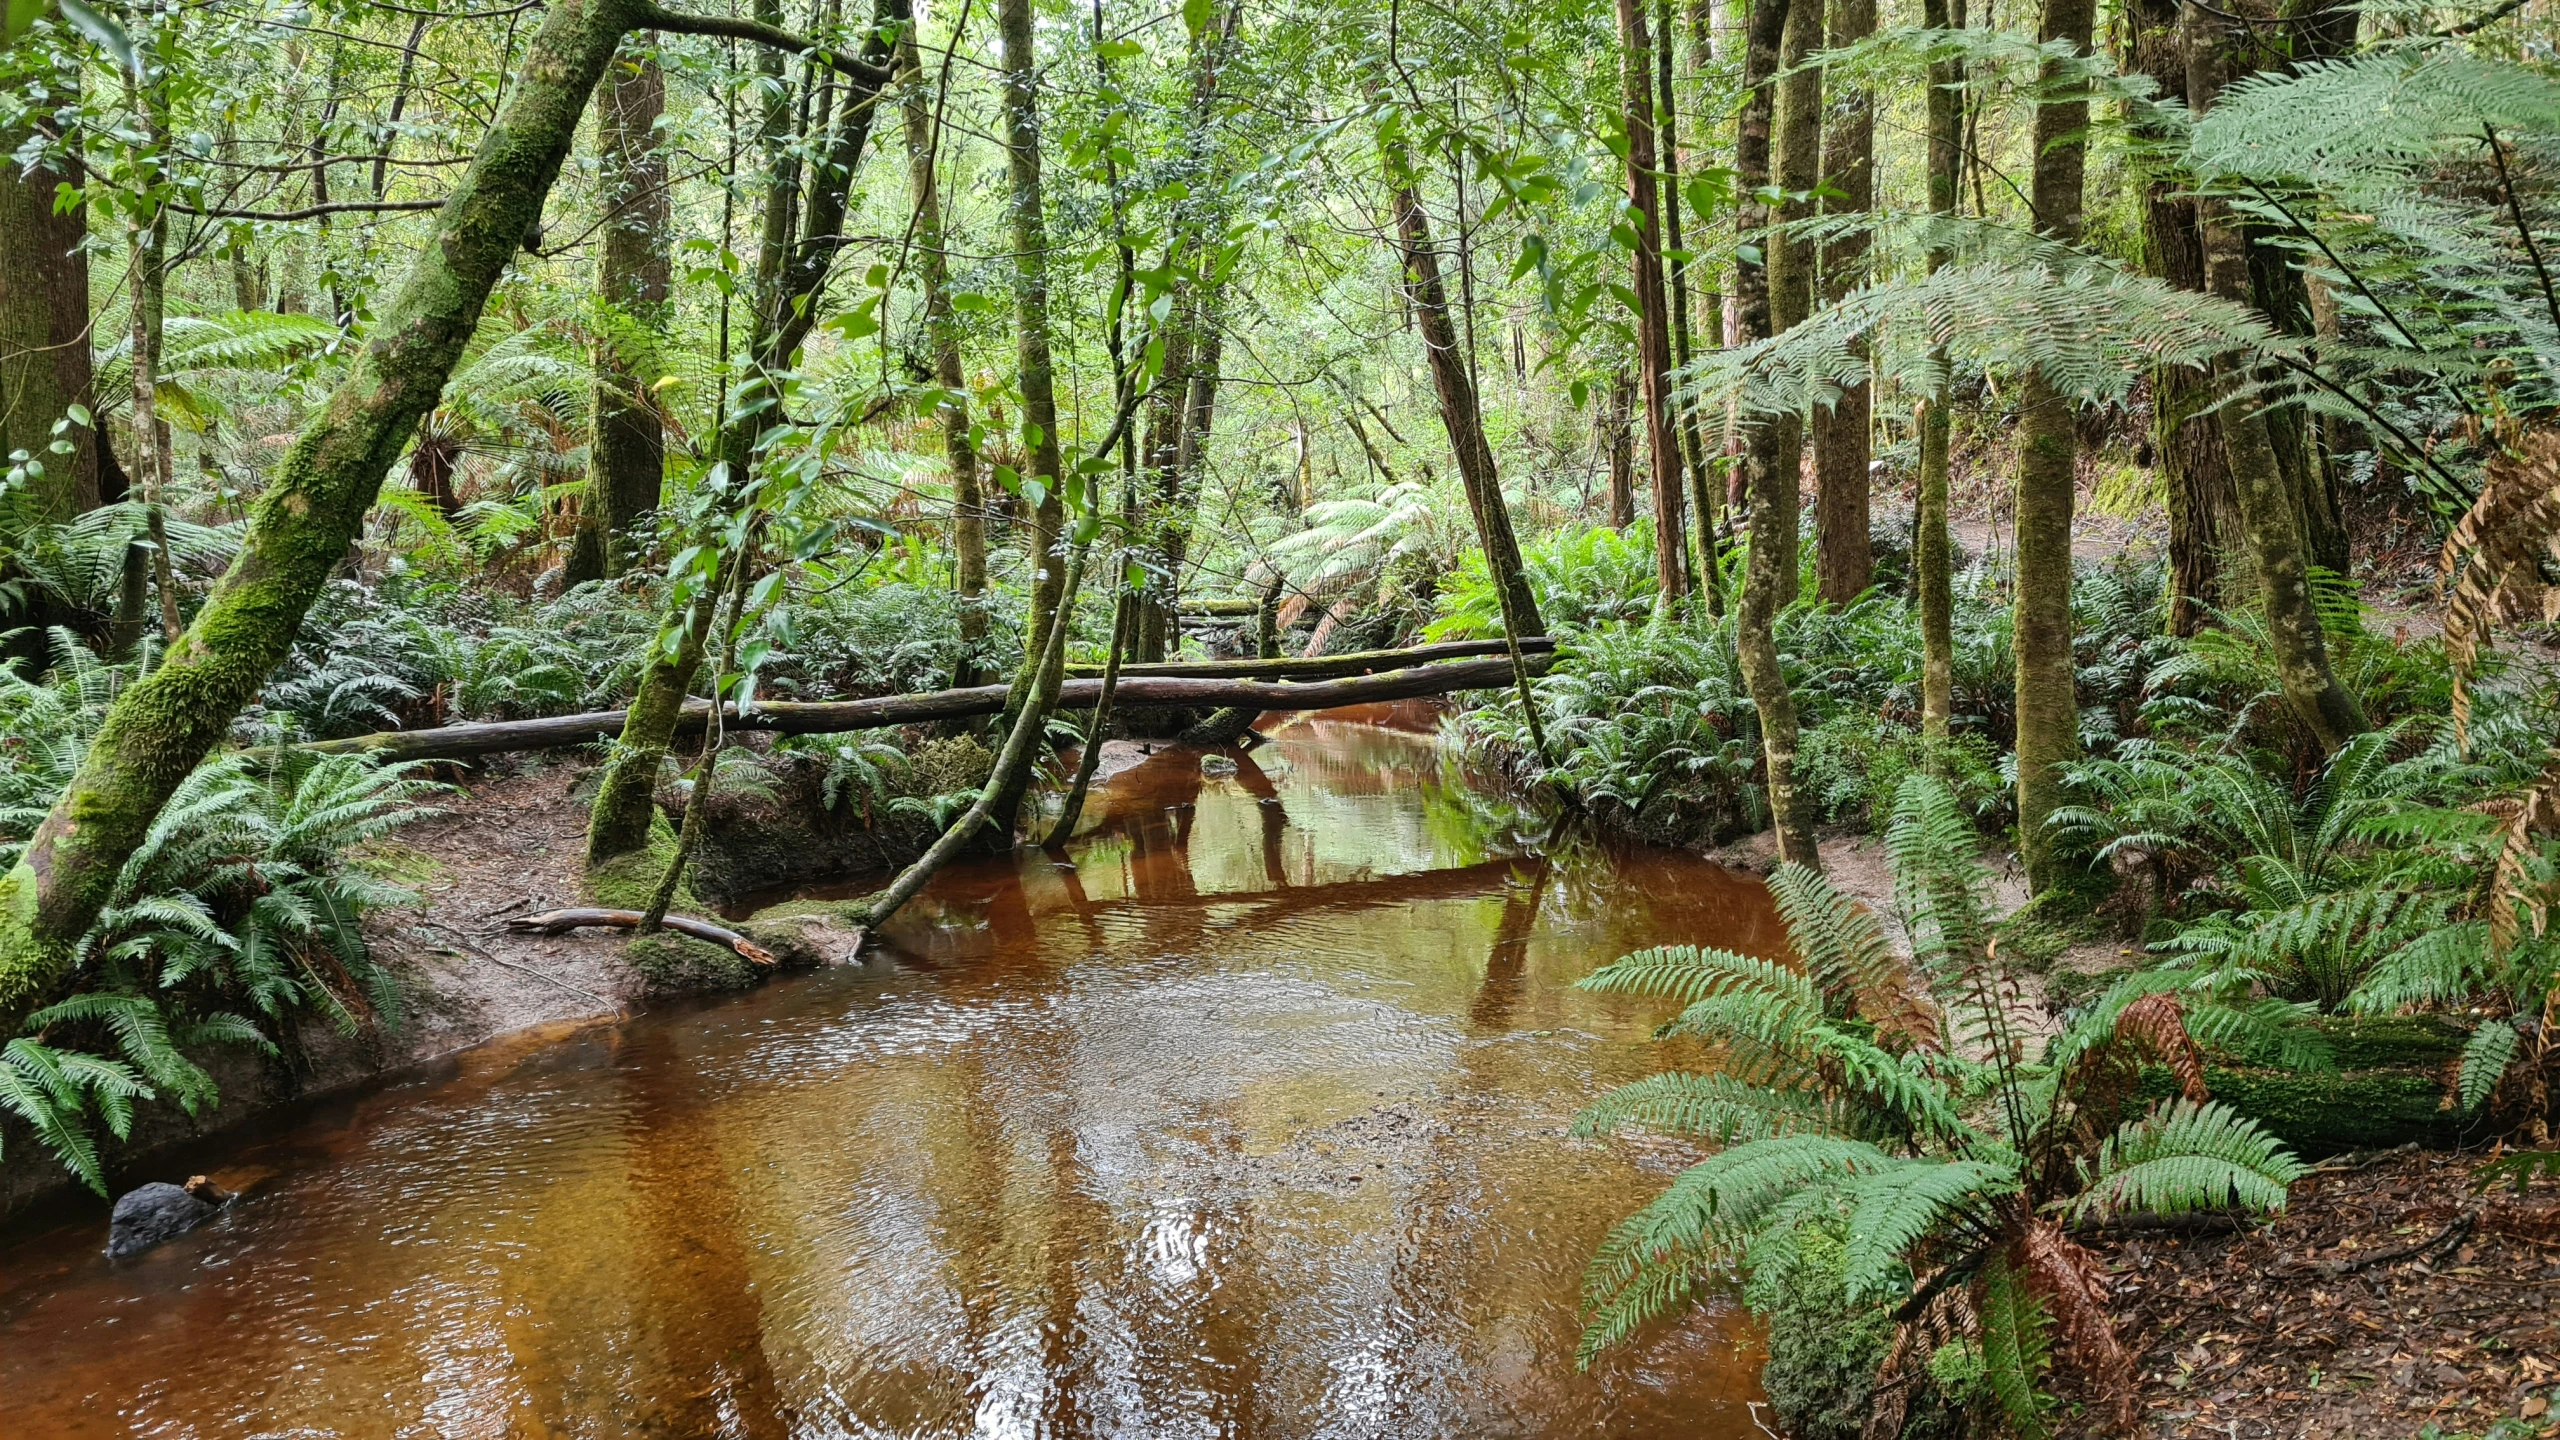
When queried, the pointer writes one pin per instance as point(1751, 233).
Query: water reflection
point(1245, 1116)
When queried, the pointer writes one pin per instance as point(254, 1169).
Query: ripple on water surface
point(1250, 1121)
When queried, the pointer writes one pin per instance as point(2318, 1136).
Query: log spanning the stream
point(828, 717)
point(1325, 667)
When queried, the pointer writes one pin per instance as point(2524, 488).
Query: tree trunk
point(792, 282)
point(627, 460)
point(1036, 375)
point(1618, 434)
point(1178, 495)
point(2270, 518)
point(942, 328)
point(1653, 327)
point(147, 243)
point(1933, 551)
point(44, 325)
point(2048, 463)
point(1457, 395)
point(1168, 414)
point(1844, 550)
point(312, 509)
point(1708, 565)
point(1775, 296)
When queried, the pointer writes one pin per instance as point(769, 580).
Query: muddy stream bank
point(1248, 1116)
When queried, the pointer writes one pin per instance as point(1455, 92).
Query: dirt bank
point(506, 845)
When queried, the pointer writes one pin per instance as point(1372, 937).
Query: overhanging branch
point(656, 17)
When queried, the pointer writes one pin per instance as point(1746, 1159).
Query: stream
point(1248, 1117)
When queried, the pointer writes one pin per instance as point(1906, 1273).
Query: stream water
point(1246, 1119)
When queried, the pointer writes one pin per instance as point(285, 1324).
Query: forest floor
point(2390, 1296)
point(507, 845)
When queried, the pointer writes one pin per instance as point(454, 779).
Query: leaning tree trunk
point(312, 509)
point(1035, 373)
point(2269, 517)
point(1933, 551)
point(1653, 328)
point(627, 460)
point(2048, 463)
point(1776, 297)
point(1457, 394)
point(792, 282)
point(942, 329)
point(1844, 548)
point(44, 327)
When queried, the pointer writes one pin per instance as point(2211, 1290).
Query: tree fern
point(2187, 1156)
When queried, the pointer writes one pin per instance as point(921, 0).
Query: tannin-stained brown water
point(1246, 1117)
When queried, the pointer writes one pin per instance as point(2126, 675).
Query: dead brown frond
point(2158, 1024)
point(2073, 1285)
point(2492, 560)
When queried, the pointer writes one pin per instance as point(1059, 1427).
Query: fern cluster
point(240, 912)
point(1892, 1098)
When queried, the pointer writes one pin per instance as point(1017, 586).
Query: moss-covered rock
point(781, 831)
point(1824, 1350)
point(673, 964)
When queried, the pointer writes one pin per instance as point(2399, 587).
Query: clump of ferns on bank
point(239, 914)
point(1904, 1099)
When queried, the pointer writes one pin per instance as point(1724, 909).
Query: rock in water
point(1217, 765)
point(150, 1214)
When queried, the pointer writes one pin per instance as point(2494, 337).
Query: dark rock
point(150, 1214)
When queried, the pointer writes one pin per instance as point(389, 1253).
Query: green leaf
point(1196, 15)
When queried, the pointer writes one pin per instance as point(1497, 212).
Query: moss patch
point(2388, 1088)
point(630, 881)
point(676, 965)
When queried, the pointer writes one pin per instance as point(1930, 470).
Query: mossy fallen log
point(827, 717)
point(1322, 667)
point(2387, 1089)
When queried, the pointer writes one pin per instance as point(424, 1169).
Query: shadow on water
point(1244, 1115)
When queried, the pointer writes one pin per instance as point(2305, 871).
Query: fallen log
point(1322, 667)
point(829, 717)
point(561, 922)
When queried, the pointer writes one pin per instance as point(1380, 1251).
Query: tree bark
point(1177, 498)
point(1036, 374)
point(2048, 462)
point(1708, 565)
point(313, 507)
point(1653, 327)
point(1168, 416)
point(1618, 435)
point(1457, 395)
point(942, 329)
point(1844, 548)
point(2269, 503)
point(1776, 295)
point(627, 458)
point(1933, 549)
point(44, 323)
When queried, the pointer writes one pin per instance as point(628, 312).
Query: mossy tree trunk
point(1933, 550)
point(1707, 564)
point(1618, 439)
point(1844, 549)
point(627, 458)
point(1035, 373)
point(803, 218)
point(1653, 321)
point(2048, 703)
point(313, 507)
point(1783, 116)
point(2269, 501)
point(942, 328)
